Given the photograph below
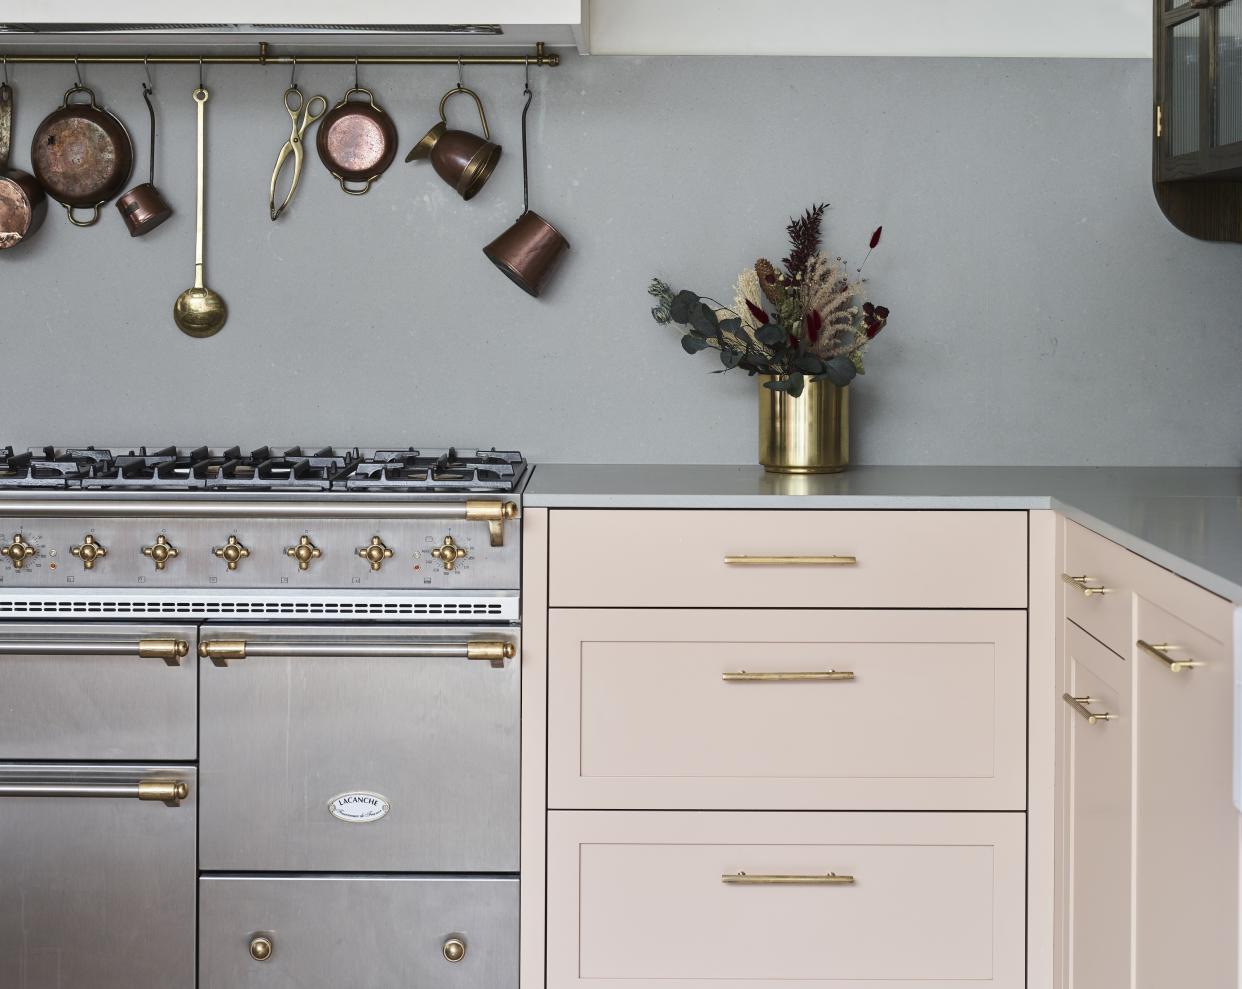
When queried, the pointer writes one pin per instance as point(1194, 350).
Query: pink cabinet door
point(655, 901)
point(1098, 586)
point(1187, 834)
point(702, 709)
point(1098, 730)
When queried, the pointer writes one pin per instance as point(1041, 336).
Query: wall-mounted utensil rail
point(221, 651)
point(541, 57)
point(165, 791)
point(171, 651)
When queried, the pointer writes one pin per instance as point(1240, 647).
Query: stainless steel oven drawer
point(358, 931)
point(359, 749)
point(124, 691)
point(97, 877)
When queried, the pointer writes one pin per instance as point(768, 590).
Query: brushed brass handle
point(743, 676)
point(1081, 584)
point(1160, 651)
point(222, 651)
point(170, 792)
point(171, 651)
point(495, 514)
point(1079, 704)
point(745, 879)
point(791, 561)
point(261, 947)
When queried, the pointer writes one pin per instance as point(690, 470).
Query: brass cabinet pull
point(165, 791)
point(743, 676)
point(171, 651)
point(791, 561)
point(261, 947)
point(1160, 651)
point(222, 651)
point(745, 879)
point(1082, 585)
point(1079, 704)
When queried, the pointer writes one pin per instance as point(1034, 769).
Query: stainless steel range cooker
point(259, 718)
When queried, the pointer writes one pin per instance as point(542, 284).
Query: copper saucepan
point(82, 155)
point(357, 141)
point(23, 204)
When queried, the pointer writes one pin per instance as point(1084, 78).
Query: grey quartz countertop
point(1187, 519)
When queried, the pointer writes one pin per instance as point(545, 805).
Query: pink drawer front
point(1098, 586)
point(641, 900)
point(787, 559)
point(793, 710)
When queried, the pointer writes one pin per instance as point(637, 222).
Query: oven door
point(97, 876)
point(95, 691)
point(359, 749)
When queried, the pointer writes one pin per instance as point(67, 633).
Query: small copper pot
point(23, 205)
point(464, 160)
point(82, 156)
point(356, 141)
point(144, 208)
point(528, 251)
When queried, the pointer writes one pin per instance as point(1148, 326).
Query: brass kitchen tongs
point(303, 113)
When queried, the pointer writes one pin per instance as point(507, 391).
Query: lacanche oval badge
point(358, 807)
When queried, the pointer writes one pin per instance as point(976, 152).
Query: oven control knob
point(232, 552)
point(304, 552)
point(449, 553)
point(18, 552)
point(89, 551)
point(454, 949)
point(161, 551)
point(376, 553)
point(260, 947)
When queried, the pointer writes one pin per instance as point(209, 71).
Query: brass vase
point(809, 434)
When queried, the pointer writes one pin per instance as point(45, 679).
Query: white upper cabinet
point(1035, 28)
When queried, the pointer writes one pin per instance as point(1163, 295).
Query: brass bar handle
point(171, 651)
point(1160, 651)
point(1079, 704)
point(791, 561)
point(165, 791)
point(223, 651)
point(474, 510)
point(1082, 585)
point(810, 676)
point(745, 879)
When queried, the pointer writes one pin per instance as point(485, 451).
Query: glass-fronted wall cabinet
point(1197, 149)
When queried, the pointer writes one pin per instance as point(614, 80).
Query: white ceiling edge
point(945, 28)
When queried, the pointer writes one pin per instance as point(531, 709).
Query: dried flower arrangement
point(810, 320)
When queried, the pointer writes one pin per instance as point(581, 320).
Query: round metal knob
point(161, 551)
point(232, 552)
point(89, 552)
point(18, 552)
point(454, 949)
point(449, 553)
point(376, 553)
point(304, 552)
point(260, 948)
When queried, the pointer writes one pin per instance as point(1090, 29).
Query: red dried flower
point(875, 237)
point(814, 323)
point(758, 313)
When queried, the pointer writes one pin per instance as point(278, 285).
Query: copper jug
point(464, 160)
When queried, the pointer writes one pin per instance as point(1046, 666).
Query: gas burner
point(48, 467)
point(437, 470)
point(267, 469)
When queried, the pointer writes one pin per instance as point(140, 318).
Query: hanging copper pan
point(22, 202)
point(357, 141)
point(82, 155)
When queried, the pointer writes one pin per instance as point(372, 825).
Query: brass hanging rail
point(540, 57)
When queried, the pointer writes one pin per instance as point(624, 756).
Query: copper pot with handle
point(357, 141)
point(82, 155)
point(23, 205)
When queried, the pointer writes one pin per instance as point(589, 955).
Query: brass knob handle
point(18, 552)
point(89, 552)
point(261, 947)
point(232, 552)
point(1082, 583)
point(161, 551)
point(449, 553)
point(304, 552)
point(376, 553)
point(454, 949)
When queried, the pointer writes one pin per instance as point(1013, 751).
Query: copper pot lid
point(81, 153)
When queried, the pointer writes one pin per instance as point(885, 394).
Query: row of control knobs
point(232, 552)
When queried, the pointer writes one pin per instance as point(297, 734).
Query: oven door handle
point(170, 792)
point(222, 651)
point(171, 651)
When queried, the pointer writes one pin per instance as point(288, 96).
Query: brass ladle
point(199, 311)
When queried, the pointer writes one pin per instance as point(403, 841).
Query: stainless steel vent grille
point(424, 29)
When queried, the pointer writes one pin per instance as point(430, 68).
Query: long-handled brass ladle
point(199, 311)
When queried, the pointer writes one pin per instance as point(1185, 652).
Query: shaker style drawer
point(1098, 586)
point(73, 690)
point(760, 901)
point(381, 931)
point(703, 709)
point(97, 876)
point(787, 559)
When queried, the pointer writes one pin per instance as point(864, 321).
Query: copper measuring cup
point(464, 160)
point(144, 208)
